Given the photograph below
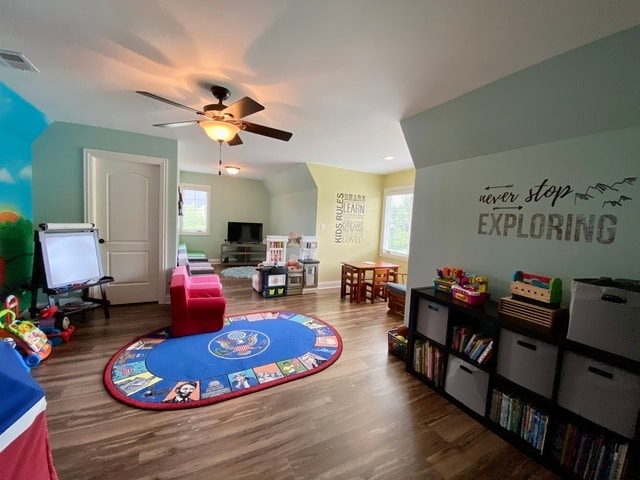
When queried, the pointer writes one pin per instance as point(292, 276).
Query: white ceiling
point(339, 74)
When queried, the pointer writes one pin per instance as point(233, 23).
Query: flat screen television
point(70, 257)
point(244, 232)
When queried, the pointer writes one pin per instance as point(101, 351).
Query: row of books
point(475, 345)
point(429, 360)
point(589, 455)
point(519, 417)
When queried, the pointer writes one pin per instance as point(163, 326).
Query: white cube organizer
point(432, 320)
point(467, 384)
point(599, 392)
point(527, 361)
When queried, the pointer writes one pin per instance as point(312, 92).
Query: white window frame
point(389, 192)
point(184, 188)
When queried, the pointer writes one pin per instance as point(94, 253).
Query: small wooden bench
point(397, 292)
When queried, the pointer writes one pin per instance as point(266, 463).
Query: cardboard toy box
point(605, 314)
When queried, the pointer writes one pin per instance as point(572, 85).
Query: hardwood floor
point(362, 418)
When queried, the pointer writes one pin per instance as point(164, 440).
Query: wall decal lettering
point(349, 226)
point(568, 227)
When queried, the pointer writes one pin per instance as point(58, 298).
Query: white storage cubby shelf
point(571, 407)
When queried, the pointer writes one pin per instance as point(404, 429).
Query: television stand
point(242, 253)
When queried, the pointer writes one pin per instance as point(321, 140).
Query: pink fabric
point(196, 307)
point(207, 279)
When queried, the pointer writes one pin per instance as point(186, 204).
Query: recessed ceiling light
point(389, 157)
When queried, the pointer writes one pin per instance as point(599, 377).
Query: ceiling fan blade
point(266, 131)
point(243, 107)
point(235, 141)
point(170, 102)
point(176, 124)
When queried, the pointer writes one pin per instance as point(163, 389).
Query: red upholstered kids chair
point(195, 307)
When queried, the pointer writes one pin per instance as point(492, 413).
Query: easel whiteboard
point(67, 256)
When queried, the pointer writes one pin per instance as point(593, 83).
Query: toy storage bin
point(604, 313)
point(397, 346)
point(527, 362)
point(432, 320)
point(467, 384)
point(604, 394)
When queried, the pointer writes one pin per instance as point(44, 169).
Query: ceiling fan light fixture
point(219, 131)
point(231, 170)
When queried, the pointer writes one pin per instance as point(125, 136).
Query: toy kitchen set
point(307, 257)
point(299, 274)
point(302, 268)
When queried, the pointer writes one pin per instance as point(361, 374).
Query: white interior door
point(124, 198)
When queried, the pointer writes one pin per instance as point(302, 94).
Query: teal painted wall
point(570, 124)
point(588, 90)
point(58, 191)
point(58, 184)
point(20, 124)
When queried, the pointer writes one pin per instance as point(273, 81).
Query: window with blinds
point(396, 222)
point(195, 209)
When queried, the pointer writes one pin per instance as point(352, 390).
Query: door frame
point(90, 156)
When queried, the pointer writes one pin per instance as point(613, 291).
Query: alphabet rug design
point(252, 352)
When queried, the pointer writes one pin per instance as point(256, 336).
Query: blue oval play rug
point(252, 352)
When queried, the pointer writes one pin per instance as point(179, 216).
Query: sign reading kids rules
point(349, 219)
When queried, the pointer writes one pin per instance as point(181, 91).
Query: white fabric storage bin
point(606, 395)
point(467, 384)
point(527, 361)
point(432, 320)
point(606, 315)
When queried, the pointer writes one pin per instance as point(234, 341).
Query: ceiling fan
point(223, 122)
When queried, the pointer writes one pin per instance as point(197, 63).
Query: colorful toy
point(471, 289)
point(536, 287)
point(469, 294)
point(55, 324)
point(475, 282)
point(56, 336)
point(462, 286)
point(446, 278)
point(30, 340)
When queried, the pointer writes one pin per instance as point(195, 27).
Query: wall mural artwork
point(349, 226)
point(20, 124)
point(507, 220)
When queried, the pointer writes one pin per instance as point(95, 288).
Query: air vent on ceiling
point(17, 61)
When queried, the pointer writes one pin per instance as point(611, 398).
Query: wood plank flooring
point(362, 418)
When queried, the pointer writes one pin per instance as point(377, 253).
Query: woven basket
point(397, 346)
